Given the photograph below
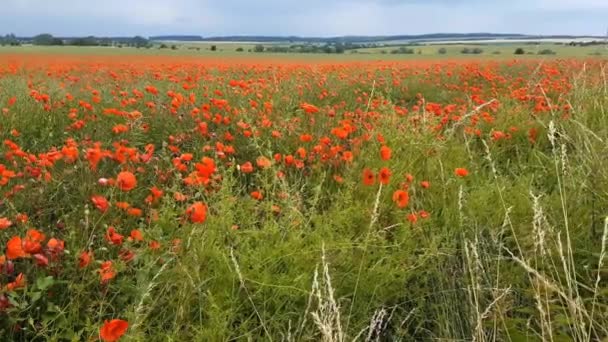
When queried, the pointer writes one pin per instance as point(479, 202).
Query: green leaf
point(34, 296)
point(44, 283)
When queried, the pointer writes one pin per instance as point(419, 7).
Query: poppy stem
point(369, 231)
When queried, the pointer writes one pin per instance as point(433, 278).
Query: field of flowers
point(182, 199)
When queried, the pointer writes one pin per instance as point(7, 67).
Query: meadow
point(188, 198)
point(425, 51)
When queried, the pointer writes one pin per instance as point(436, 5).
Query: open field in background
point(198, 198)
point(426, 51)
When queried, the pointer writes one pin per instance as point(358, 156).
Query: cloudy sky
point(305, 18)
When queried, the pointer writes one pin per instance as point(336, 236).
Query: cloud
point(295, 17)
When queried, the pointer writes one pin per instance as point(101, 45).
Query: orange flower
point(100, 203)
point(154, 245)
point(401, 198)
point(14, 248)
point(156, 192)
point(84, 259)
point(55, 246)
point(257, 195)
point(179, 197)
point(113, 237)
point(263, 162)
point(122, 205)
point(137, 235)
point(461, 172)
point(424, 214)
point(5, 223)
point(413, 218)
point(120, 128)
point(126, 181)
point(17, 284)
point(347, 156)
point(385, 152)
point(136, 212)
point(31, 243)
point(247, 168)
point(309, 108)
point(368, 177)
point(197, 212)
point(425, 184)
point(384, 176)
point(113, 330)
point(22, 218)
point(106, 271)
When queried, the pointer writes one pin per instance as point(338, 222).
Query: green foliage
point(546, 52)
point(46, 39)
point(474, 51)
point(9, 39)
point(403, 50)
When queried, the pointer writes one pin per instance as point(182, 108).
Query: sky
point(322, 18)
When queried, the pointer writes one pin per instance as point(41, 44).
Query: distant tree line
point(46, 39)
point(330, 48)
point(591, 43)
point(9, 39)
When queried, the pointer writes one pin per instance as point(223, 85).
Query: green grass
point(497, 50)
point(224, 49)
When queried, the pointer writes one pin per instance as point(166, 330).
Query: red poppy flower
point(106, 271)
point(368, 177)
point(100, 202)
point(246, 167)
point(137, 235)
point(112, 331)
point(257, 195)
point(18, 283)
point(126, 181)
point(197, 212)
point(263, 162)
point(5, 223)
point(179, 197)
point(84, 259)
point(401, 198)
point(384, 176)
point(385, 152)
point(461, 172)
point(114, 237)
point(14, 248)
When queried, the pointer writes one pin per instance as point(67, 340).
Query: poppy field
point(183, 199)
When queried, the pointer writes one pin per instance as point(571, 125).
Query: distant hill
point(359, 39)
point(388, 39)
point(365, 39)
point(189, 38)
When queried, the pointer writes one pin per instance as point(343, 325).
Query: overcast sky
point(304, 18)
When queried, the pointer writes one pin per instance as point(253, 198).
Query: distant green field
point(229, 49)
point(497, 49)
